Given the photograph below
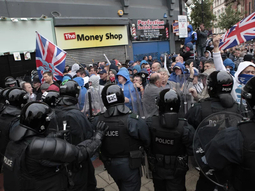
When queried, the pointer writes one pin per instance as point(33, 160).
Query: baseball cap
point(90, 65)
point(177, 67)
point(102, 72)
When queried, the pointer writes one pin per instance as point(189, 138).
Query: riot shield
point(136, 101)
point(205, 132)
point(93, 103)
point(182, 88)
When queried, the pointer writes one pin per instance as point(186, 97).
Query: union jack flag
point(49, 57)
point(241, 32)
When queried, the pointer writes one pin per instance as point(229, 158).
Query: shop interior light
point(14, 20)
point(43, 17)
point(3, 18)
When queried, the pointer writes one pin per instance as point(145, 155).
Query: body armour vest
point(166, 141)
point(245, 178)
point(6, 122)
point(208, 107)
point(117, 142)
point(17, 176)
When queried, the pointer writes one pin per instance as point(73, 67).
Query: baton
point(90, 106)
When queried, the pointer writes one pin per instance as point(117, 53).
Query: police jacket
point(36, 163)
point(127, 132)
point(168, 143)
point(8, 118)
point(206, 107)
point(174, 141)
point(235, 145)
point(77, 123)
point(80, 129)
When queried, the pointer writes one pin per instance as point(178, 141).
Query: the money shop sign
point(87, 37)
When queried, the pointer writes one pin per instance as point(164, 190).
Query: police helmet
point(219, 82)
point(70, 88)
point(17, 97)
point(9, 81)
point(36, 116)
point(36, 79)
point(168, 101)
point(112, 95)
point(248, 92)
point(50, 97)
point(3, 94)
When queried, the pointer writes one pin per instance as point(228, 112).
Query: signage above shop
point(86, 37)
point(149, 30)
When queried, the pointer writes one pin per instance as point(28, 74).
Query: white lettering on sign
point(111, 98)
point(70, 36)
point(112, 134)
point(164, 141)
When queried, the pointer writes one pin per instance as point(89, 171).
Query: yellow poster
point(91, 36)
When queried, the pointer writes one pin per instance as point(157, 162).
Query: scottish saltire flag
point(241, 32)
point(49, 57)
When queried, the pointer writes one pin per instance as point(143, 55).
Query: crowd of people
point(50, 130)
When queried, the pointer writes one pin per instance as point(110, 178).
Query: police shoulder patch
point(134, 116)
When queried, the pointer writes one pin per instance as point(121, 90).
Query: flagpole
point(74, 59)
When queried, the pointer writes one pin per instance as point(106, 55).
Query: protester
point(48, 78)
point(202, 34)
point(150, 93)
point(28, 88)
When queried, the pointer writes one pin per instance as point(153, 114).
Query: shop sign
point(149, 30)
point(87, 37)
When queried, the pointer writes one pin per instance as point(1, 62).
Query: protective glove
point(91, 145)
point(101, 129)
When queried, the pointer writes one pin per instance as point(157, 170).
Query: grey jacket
point(202, 37)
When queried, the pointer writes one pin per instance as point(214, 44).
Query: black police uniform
point(171, 143)
point(8, 118)
point(120, 148)
point(219, 84)
point(235, 146)
point(206, 107)
point(126, 134)
point(35, 162)
point(169, 150)
point(9, 115)
point(80, 129)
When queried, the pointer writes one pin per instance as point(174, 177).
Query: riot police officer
point(35, 162)
point(16, 98)
point(127, 133)
point(10, 82)
point(51, 97)
point(235, 146)
point(219, 85)
point(69, 115)
point(171, 143)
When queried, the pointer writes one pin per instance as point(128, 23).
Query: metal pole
point(202, 4)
